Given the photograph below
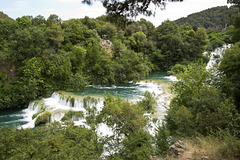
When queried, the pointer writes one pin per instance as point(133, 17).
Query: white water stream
point(217, 52)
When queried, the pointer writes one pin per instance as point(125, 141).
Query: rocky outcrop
point(176, 149)
point(107, 45)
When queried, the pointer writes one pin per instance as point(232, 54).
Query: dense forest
point(217, 18)
point(39, 56)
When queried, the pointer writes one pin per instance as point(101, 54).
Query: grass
point(214, 147)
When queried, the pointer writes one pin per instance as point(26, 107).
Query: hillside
point(4, 16)
point(212, 19)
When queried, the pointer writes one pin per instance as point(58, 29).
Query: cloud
point(16, 6)
point(68, 1)
point(79, 11)
point(20, 4)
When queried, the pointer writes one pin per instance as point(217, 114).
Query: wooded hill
point(217, 18)
point(4, 16)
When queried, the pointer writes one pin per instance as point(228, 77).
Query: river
point(155, 82)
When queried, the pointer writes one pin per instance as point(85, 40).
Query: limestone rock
point(204, 158)
point(176, 149)
point(153, 158)
point(107, 45)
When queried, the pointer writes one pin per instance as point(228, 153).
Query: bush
point(162, 139)
point(177, 68)
point(148, 102)
point(43, 119)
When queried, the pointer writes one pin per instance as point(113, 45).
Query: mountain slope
point(216, 18)
point(4, 16)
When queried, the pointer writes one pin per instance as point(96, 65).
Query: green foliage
point(72, 115)
point(212, 19)
point(43, 118)
point(41, 56)
point(55, 34)
point(177, 68)
point(50, 142)
point(129, 8)
point(131, 66)
point(4, 16)
point(148, 102)
point(109, 29)
point(122, 116)
point(24, 21)
point(198, 107)
point(76, 82)
point(229, 67)
point(137, 145)
point(231, 147)
point(170, 43)
point(42, 109)
point(58, 67)
point(89, 101)
point(28, 43)
point(162, 138)
point(74, 31)
point(138, 41)
point(214, 43)
point(32, 82)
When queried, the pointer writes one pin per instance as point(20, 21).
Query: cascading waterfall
point(58, 105)
point(216, 53)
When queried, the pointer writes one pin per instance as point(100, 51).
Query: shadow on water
point(11, 117)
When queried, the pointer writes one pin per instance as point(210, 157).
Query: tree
point(32, 81)
point(230, 68)
point(55, 34)
point(162, 139)
point(52, 19)
point(148, 102)
point(137, 145)
point(38, 20)
point(130, 8)
point(7, 28)
point(28, 43)
point(194, 41)
point(137, 41)
point(170, 43)
point(198, 106)
point(235, 2)
point(74, 31)
point(50, 142)
point(24, 21)
point(109, 29)
point(58, 69)
point(122, 116)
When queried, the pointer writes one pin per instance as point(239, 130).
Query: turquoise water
point(124, 90)
point(12, 117)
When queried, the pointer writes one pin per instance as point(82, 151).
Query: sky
point(67, 9)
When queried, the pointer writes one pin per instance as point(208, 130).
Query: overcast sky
point(67, 9)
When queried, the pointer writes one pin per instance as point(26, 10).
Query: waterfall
point(58, 105)
point(215, 55)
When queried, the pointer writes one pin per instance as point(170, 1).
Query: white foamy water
point(171, 78)
point(217, 52)
point(58, 105)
